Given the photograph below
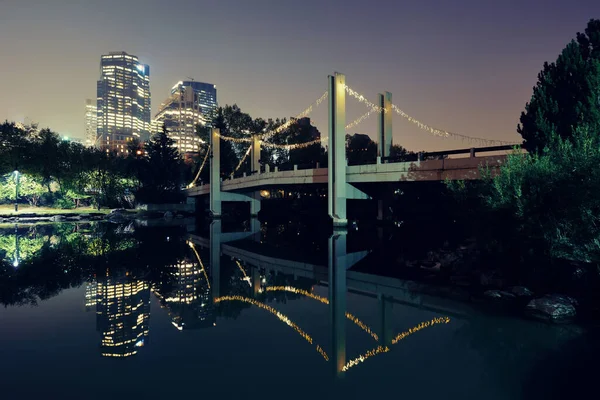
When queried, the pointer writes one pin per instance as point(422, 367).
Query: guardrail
point(421, 156)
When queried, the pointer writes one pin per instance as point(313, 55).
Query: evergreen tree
point(567, 94)
point(162, 173)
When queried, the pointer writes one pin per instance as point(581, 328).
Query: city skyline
point(467, 68)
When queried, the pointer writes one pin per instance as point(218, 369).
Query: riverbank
point(8, 211)
point(40, 215)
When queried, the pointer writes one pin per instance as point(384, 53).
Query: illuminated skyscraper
point(123, 101)
point(122, 314)
point(189, 303)
point(190, 104)
point(91, 122)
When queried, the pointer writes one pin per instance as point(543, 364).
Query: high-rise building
point(122, 313)
point(91, 122)
point(189, 105)
point(123, 101)
point(189, 302)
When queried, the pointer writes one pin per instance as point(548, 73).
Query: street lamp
point(16, 190)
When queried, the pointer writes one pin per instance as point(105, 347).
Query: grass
point(8, 210)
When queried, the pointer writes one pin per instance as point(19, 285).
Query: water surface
point(105, 311)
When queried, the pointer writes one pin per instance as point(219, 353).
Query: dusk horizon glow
point(466, 68)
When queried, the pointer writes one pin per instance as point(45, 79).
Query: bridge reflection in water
point(337, 276)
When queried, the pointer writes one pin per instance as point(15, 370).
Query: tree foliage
point(554, 196)
point(549, 202)
point(567, 94)
point(161, 174)
point(30, 188)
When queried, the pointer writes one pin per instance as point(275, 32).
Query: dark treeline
point(538, 218)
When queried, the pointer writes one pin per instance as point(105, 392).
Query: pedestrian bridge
point(343, 181)
point(412, 171)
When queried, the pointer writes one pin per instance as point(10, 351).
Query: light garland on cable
point(422, 325)
point(303, 114)
point(279, 315)
point(246, 277)
point(399, 337)
point(200, 262)
point(241, 161)
point(201, 168)
point(293, 146)
point(362, 118)
point(363, 357)
point(235, 140)
point(363, 99)
point(446, 134)
point(323, 300)
point(423, 126)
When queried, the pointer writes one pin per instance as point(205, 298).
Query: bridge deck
point(414, 171)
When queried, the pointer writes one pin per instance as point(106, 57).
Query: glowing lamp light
point(16, 263)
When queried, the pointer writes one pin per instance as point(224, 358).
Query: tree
point(360, 149)
point(162, 172)
point(47, 164)
point(29, 188)
point(400, 153)
point(567, 94)
point(15, 153)
point(302, 131)
point(547, 204)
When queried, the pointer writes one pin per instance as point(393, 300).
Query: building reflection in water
point(189, 303)
point(122, 313)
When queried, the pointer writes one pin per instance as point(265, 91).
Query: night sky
point(467, 66)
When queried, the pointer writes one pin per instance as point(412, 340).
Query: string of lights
point(242, 160)
point(303, 114)
point(200, 262)
point(235, 140)
point(363, 357)
point(246, 277)
point(423, 126)
point(291, 146)
point(422, 325)
point(201, 168)
point(292, 289)
point(399, 337)
point(362, 325)
point(323, 300)
point(363, 99)
point(279, 315)
point(362, 118)
point(447, 134)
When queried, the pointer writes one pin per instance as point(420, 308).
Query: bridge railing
point(421, 156)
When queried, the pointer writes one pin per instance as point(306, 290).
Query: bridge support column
point(384, 135)
point(255, 281)
point(385, 329)
point(255, 155)
point(254, 204)
point(215, 257)
point(337, 298)
point(255, 229)
point(336, 195)
point(215, 173)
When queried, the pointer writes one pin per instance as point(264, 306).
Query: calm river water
point(100, 311)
